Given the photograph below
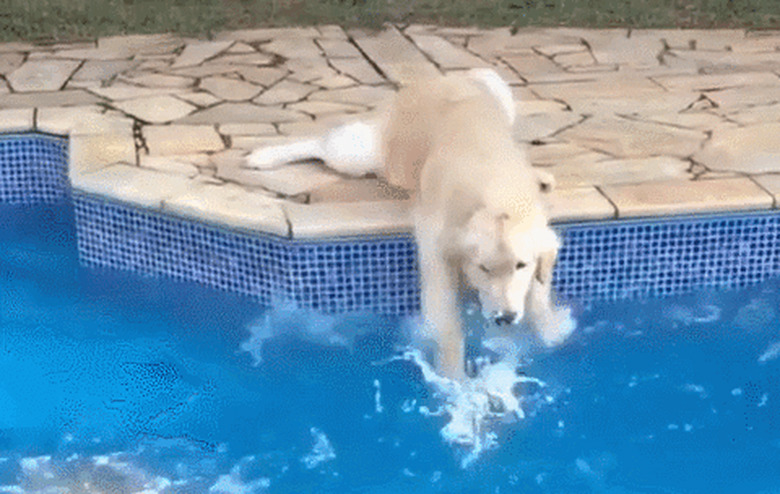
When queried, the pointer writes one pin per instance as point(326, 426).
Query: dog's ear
point(548, 253)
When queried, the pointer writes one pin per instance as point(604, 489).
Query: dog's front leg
point(440, 301)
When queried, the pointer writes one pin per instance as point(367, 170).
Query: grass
point(60, 20)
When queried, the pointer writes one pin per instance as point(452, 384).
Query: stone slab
point(358, 69)
point(326, 220)
point(181, 139)
point(16, 120)
point(205, 69)
point(67, 97)
point(634, 104)
point(579, 204)
point(719, 81)
point(174, 165)
point(601, 86)
point(357, 190)
point(338, 48)
point(230, 205)
point(309, 69)
point(258, 129)
point(753, 149)
point(445, 54)
point(102, 70)
point(159, 80)
point(140, 44)
point(362, 95)
point(558, 152)
point(200, 99)
point(242, 113)
point(756, 115)
point(91, 152)
point(250, 59)
point(571, 174)
point(121, 91)
point(322, 108)
point(687, 197)
point(398, 58)
point(284, 92)
point(265, 76)
point(131, 184)
point(229, 89)
point(294, 47)
point(625, 138)
point(334, 82)
point(289, 180)
point(197, 53)
point(156, 109)
point(10, 62)
point(44, 75)
point(544, 125)
point(771, 183)
point(79, 120)
point(742, 97)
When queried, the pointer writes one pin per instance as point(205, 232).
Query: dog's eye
point(484, 268)
point(519, 265)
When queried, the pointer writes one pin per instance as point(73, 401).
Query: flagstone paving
point(630, 123)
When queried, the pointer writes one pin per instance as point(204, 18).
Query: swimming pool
point(114, 382)
point(147, 379)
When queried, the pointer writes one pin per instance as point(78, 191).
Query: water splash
point(287, 319)
point(475, 405)
point(321, 452)
point(770, 353)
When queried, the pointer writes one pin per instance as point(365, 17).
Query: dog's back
point(461, 131)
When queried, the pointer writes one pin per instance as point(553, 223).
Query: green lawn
point(51, 20)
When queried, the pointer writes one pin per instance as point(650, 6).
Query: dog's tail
point(498, 88)
point(270, 157)
point(352, 149)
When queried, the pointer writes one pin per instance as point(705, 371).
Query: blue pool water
point(114, 383)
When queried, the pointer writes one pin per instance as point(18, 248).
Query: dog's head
point(502, 257)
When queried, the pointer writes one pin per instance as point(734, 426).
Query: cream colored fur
point(478, 214)
point(479, 221)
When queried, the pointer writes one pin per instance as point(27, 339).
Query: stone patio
point(631, 123)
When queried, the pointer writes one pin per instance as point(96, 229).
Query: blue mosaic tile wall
point(598, 261)
point(627, 259)
point(33, 168)
point(375, 274)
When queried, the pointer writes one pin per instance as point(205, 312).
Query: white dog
point(478, 215)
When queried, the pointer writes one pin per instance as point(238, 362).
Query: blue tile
point(33, 168)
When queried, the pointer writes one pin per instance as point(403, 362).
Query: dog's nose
point(505, 318)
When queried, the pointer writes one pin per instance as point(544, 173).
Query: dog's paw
point(557, 326)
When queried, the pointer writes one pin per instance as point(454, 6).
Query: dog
point(479, 219)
